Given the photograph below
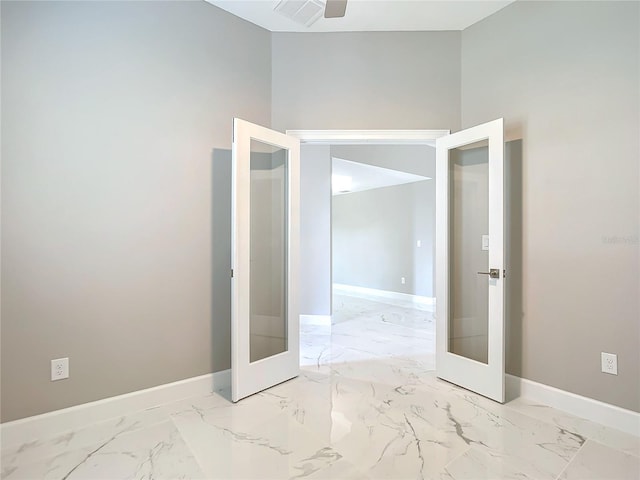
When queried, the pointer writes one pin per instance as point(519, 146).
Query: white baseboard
point(321, 320)
point(372, 292)
point(603, 413)
point(50, 424)
point(53, 423)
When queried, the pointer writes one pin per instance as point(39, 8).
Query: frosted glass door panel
point(268, 251)
point(469, 225)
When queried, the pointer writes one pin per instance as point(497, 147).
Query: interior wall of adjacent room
point(375, 238)
point(376, 232)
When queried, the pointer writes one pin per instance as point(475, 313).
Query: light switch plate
point(485, 242)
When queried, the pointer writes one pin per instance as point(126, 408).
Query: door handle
point(493, 273)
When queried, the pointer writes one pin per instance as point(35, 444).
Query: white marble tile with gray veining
point(622, 441)
point(599, 462)
point(153, 452)
point(279, 447)
point(80, 439)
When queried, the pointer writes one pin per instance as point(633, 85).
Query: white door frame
point(367, 137)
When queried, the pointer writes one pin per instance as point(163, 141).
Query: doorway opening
point(368, 228)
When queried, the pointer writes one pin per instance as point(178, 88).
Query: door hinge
point(232, 273)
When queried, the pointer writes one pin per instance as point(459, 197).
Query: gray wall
point(315, 230)
point(366, 80)
point(375, 234)
point(110, 113)
point(565, 77)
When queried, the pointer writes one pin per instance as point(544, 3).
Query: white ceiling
point(372, 15)
point(367, 177)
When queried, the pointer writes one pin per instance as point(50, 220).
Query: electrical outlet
point(610, 363)
point(59, 369)
point(402, 280)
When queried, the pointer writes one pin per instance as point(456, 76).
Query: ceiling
point(366, 177)
point(371, 15)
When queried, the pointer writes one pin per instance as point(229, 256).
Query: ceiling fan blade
point(335, 8)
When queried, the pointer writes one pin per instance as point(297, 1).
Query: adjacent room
point(377, 262)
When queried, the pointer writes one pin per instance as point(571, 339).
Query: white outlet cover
point(610, 363)
point(59, 369)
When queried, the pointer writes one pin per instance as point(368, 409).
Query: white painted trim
point(368, 137)
point(320, 320)
point(49, 424)
point(603, 413)
point(356, 291)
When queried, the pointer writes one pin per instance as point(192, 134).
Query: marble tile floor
point(366, 406)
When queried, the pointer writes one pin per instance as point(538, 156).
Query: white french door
point(470, 266)
point(265, 245)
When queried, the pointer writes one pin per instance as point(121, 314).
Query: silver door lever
point(493, 273)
